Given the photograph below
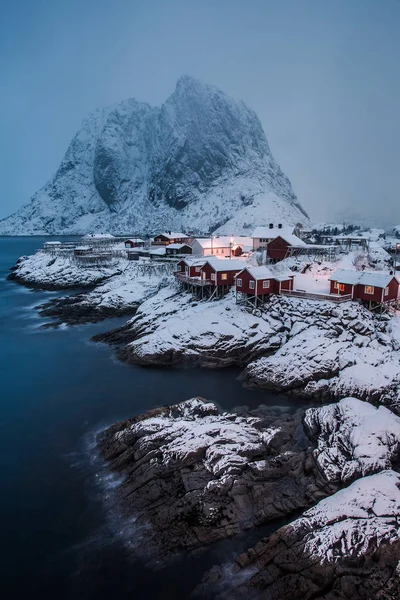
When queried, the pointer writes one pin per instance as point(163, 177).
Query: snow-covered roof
point(272, 232)
point(292, 239)
point(194, 262)
point(225, 241)
point(176, 246)
point(350, 277)
point(172, 235)
point(264, 272)
point(135, 240)
point(83, 248)
point(226, 264)
point(52, 243)
point(160, 251)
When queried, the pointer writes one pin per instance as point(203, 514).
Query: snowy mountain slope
point(200, 161)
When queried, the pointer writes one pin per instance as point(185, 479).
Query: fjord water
point(57, 390)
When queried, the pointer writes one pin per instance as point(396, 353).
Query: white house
point(222, 246)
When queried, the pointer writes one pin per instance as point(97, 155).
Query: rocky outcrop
point(173, 329)
point(192, 475)
point(47, 272)
point(200, 161)
point(353, 439)
point(334, 351)
point(119, 295)
point(189, 475)
point(346, 547)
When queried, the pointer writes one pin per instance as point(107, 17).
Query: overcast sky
point(322, 75)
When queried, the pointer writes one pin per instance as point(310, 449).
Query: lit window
point(251, 285)
point(339, 286)
point(224, 276)
point(386, 291)
point(212, 276)
point(239, 282)
point(369, 289)
point(265, 284)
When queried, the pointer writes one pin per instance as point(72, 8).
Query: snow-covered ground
point(60, 272)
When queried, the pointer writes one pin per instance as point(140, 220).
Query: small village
point(273, 260)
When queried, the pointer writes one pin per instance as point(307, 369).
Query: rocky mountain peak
point(202, 158)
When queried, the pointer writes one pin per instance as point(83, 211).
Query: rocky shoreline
point(334, 350)
point(75, 310)
point(191, 475)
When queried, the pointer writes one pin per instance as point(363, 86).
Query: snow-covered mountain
point(200, 162)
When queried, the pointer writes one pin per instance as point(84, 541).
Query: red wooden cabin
point(221, 272)
point(134, 243)
point(170, 237)
point(277, 249)
point(189, 268)
point(261, 281)
point(365, 285)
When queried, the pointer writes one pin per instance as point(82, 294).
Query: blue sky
point(322, 75)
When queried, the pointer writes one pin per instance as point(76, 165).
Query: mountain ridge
point(199, 162)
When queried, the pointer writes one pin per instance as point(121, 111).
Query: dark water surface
point(57, 389)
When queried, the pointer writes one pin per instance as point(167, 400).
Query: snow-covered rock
point(200, 161)
point(353, 438)
point(347, 546)
point(59, 272)
point(191, 475)
point(120, 294)
point(172, 328)
point(341, 352)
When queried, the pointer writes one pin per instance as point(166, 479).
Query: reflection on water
point(59, 538)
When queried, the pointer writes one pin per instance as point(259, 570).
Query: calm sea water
point(57, 389)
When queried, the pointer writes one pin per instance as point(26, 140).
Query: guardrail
point(310, 296)
point(193, 280)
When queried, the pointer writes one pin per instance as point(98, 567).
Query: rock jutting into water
point(346, 547)
point(192, 475)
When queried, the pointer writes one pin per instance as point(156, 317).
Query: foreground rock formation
point(189, 475)
point(193, 476)
point(346, 547)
